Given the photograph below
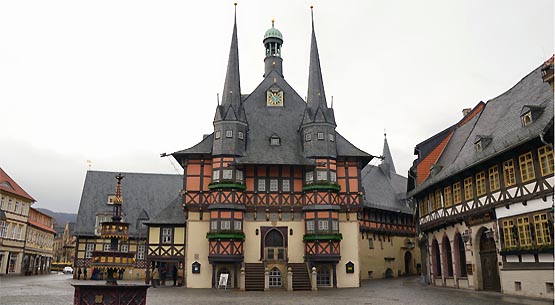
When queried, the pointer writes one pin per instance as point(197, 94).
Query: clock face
point(274, 98)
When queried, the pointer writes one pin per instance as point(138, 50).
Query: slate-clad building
point(484, 189)
point(145, 195)
point(276, 188)
point(274, 197)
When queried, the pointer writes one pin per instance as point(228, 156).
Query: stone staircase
point(254, 277)
point(301, 278)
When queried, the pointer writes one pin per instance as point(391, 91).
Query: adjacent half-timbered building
point(484, 189)
point(145, 195)
point(387, 245)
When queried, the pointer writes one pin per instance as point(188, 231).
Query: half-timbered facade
point(484, 189)
point(274, 187)
point(387, 241)
point(145, 196)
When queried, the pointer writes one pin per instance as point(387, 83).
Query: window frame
point(545, 157)
point(509, 173)
point(524, 234)
point(493, 174)
point(457, 193)
point(166, 235)
point(448, 196)
point(526, 165)
point(481, 183)
point(229, 133)
point(320, 136)
point(468, 191)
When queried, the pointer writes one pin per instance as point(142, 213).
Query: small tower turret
point(273, 40)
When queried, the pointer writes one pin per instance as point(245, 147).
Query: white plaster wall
point(518, 208)
point(197, 244)
point(349, 252)
point(532, 282)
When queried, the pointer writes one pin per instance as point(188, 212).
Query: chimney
point(466, 111)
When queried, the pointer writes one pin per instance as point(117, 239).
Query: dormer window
point(481, 142)
point(275, 141)
point(530, 113)
point(527, 118)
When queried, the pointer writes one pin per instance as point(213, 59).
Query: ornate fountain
point(111, 261)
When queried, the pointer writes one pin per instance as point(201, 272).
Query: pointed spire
point(316, 94)
point(231, 95)
point(387, 163)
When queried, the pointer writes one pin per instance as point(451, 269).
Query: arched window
point(323, 276)
point(448, 256)
point(273, 239)
point(436, 258)
point(461, 256)
point(275, 278)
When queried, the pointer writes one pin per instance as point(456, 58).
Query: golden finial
point(273, 20)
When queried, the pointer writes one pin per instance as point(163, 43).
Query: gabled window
point(526, 118)
point(275, 141)
point(478, 146)
point(481, 142)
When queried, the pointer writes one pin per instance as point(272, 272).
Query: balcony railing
point(275, 253)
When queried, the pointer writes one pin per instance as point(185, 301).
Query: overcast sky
point(119, 82)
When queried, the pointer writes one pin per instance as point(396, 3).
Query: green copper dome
point(273, 33)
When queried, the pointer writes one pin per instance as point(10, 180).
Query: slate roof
point(9, 185)
point(148, 192)
point(500, 119)
point(284, 122)
point(171, 214)
point(383, 188)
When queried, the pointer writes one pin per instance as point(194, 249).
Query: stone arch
point(436, 258)
point(447, 256)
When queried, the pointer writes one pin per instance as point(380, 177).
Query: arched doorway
point(488, 262)
point(436, 264)
point(274, 246)
point(448, 256)
point(408, 259)
point(388, 273)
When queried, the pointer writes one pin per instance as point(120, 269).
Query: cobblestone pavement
point(55, 289)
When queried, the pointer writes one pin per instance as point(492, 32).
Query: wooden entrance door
point(408, 259)
point(488, 261)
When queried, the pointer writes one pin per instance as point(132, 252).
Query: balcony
point(275, 254)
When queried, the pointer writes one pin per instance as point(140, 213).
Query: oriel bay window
point(225, 221)
point(322, 222)
point(227, 175)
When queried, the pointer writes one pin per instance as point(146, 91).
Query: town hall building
point(274, 197)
